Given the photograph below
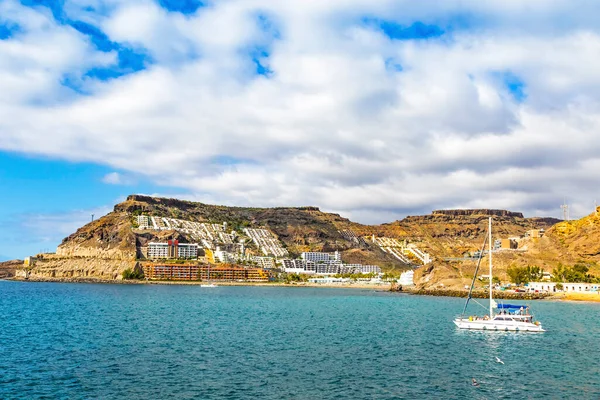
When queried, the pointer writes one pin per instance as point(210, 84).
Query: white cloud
point(115, 178)
point(332, 125)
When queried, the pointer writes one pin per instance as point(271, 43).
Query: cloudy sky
point(374, 109)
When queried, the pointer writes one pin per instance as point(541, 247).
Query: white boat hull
point(494, 325)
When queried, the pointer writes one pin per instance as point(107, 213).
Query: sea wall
point(479, 294)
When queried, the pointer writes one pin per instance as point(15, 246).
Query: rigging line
point(474, 276)
point(480, 304)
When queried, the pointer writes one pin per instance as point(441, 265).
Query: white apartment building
point(167, 250)
point(187, 250)
point(264, 262)
point(360, 269)
point(224, 257)
point(370, 269)
point(321, 257)
point(158, 250)
point(144, 222)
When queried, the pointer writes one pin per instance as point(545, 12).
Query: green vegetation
point(527, 274)
point(133, 274)
point(295, 278)
point(576, 273)
point(357, 276)
point(391, 275)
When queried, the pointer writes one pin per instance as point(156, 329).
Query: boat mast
point(490, 258)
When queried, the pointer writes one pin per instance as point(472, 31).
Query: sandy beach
point(577, 296)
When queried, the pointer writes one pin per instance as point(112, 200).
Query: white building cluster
point(401, 250)
point(352, 237)
point(550, 287)
point(325, 264)
point(266, 241)
point(209, 235)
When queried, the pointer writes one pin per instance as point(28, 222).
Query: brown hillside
point(103, 248)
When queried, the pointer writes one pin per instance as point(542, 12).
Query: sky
point(374, 109)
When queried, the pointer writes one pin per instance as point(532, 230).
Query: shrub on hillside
point(133, 274)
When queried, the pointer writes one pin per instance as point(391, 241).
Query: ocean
point(88, 341)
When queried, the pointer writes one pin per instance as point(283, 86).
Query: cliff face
point(580, 238)
point(565, 242)
point(451, 233)
point(8, 268)
point(109, 237)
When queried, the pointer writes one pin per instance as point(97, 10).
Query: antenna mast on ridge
point(565, 210)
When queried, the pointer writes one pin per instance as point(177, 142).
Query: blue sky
point(372, 109)
point(46, 199)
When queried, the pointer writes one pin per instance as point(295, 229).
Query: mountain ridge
point(105, 247)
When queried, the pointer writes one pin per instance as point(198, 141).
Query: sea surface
point(87, 341)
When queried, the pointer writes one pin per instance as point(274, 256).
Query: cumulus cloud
point(295, 103)
point(115, 178)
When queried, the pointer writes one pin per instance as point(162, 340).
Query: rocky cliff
point(8, 268)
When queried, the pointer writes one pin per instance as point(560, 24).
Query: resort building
point(176, 272)
point(360, 269)
point(172, 249)
point(321, 257)
point(192, 272)
point(264, 262)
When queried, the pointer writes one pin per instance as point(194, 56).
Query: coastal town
point(253, 255)
point(429, 254)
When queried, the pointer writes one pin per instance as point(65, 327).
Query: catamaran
point(510, 317)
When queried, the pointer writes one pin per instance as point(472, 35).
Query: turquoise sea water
point(84, 341)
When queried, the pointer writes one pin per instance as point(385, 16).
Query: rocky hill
point(564, 242)
point(8, 268)
point(105, 247)
point(451, 233)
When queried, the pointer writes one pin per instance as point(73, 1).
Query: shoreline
point(384, 288)
point(575, 297)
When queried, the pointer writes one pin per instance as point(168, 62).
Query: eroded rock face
point(56, 267)
point(69, 250)
point(8, 268)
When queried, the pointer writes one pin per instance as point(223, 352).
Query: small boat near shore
point(510, 317)
point(208, 285)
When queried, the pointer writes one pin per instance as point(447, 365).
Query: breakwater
point(479, 294)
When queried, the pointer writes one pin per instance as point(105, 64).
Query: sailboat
point(210, 284)
point(509, 317)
